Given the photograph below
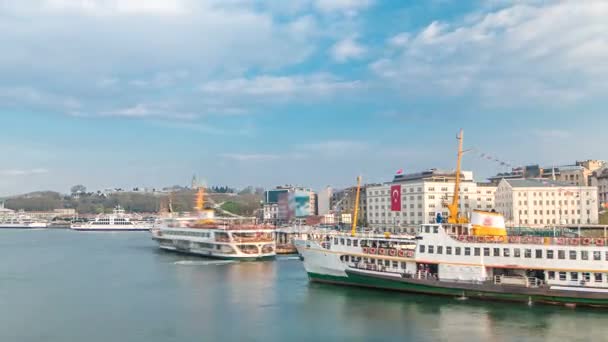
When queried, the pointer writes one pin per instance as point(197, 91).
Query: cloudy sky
point(314, 92)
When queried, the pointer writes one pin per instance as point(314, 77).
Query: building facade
point(423, 196)
point(286, 203)
point(541, 202)
point(342, 204)
point(600, 180)
point(579, 173)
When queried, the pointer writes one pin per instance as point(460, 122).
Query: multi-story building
point(542, 202)
point(423, 196)
point(288, 202)
point(600, 180)
point(343, 203)
point(324, 200)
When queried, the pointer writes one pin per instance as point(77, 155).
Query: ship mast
point(453, 207)
point(200, 199)
point(356, 210)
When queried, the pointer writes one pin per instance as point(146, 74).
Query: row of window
point(380, 262)
point(576, 276)
point(515, 252)
point(187, 233)
point(443, 189)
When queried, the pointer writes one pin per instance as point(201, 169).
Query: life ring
point(489, 239)
point(364, 249)
point(410, 254)
point(499, 239)
point(524, 239)
point(480, 239)
point(574, 241)
point(372, 251)
point(586, 241)
point(401, 253)
point(599, 242)
point(560, 241)
point(512, 239)
point(382, 251)
point(462, 238)
point(392, 252)
point(470, 238)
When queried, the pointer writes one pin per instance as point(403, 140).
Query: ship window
point(574, 276)
point(435, 229)
point(342, 241)
point(427, 229)
point(549, 254)
point(387, 263)
point(597, 255)
point(551, 275)
point(539, 253)
point(403, 265)
point(431, 249)
point(562, 276)
point(477, 251)
point(486, 251)
point(506, 252)
point(496, 252)
point(457, 250)
point(561, 254)
point(348, 242)
point(587, 276)
point(467, 251)
point(439, 249)
point(527, 253)
point(584, 255)
point(355, 243)
point(572, 255)
point(421, 248)
point(448, 250)
point(598, 277)
point(395, 264)
point(606, 256)
point(517, 252)
point(346, 258)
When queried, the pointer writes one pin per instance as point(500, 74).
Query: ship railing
point(532, 240)
point(517, 281)
point(376, 268)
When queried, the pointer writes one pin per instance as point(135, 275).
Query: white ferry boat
point(21, 222)
point(460, 259)
point(118, 221)
point(222, 238)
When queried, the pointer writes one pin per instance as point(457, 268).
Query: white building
point(541, 202)
point(423, 196)
point(325, 200)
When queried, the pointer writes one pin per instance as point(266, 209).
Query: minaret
point(194, 184)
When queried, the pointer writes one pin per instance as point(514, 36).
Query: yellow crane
point(356, 211)
point(453, 207)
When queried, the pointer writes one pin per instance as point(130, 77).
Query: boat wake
point(203, 263)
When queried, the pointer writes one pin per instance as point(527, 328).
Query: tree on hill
point(78, 189)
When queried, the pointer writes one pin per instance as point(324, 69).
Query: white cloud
point(347, 7)
point(22, 172)
point(243, 157)
point(347, 49)
point(399, 40)
point(277, 88)
point(528, 53)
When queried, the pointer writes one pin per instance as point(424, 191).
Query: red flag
point(400, 171)
point(396, 198)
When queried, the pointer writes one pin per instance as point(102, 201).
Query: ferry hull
point(360, 279)
point(221, 257)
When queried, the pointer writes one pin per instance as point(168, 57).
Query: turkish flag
point(396, 198)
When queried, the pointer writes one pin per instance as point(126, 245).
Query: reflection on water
point(69, 286)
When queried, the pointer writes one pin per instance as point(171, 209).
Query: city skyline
point(311, 92)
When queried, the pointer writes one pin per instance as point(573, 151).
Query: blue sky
point(312, 92)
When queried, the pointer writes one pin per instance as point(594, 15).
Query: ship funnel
point(485, 223)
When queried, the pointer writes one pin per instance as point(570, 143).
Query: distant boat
point(21, 222)
point(118, 221)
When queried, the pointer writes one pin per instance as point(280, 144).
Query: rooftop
point(536, 183)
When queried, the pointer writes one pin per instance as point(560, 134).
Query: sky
point(110, 93)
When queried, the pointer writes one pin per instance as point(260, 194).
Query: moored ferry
point(222, 238)
point(118, 221)
point(458, 258)
point(21, 222)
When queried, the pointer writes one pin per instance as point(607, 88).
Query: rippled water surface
point(80, 286)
